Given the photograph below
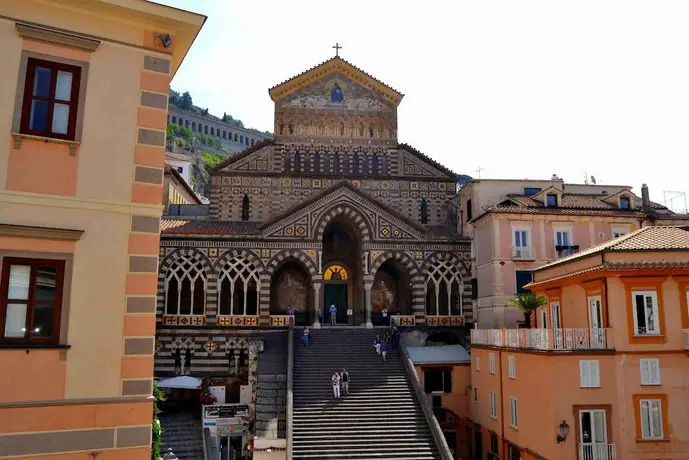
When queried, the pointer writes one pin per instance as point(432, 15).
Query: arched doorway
point(392, 290)
point(341, 273)
point(290, 285)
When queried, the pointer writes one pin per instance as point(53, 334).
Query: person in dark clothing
point(384, 349)
point(344, 380)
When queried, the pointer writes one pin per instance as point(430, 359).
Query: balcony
point(597, 451)
point(544, 339)
point(564, 251)
point(685, 335)
point(523, 253)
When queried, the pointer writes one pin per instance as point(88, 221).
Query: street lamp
point(564, 432)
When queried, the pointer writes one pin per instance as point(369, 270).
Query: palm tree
point(528, 303)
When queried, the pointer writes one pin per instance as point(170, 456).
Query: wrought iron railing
point(597, 451)
point(544, 339)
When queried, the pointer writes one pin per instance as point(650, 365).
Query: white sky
point(521, 89)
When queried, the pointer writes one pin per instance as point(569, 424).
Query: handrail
point(290, 396)
point(436, 432)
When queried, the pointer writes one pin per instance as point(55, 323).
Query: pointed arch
point(291, 254)
point(348, 210)
point(185, 281)
point(246, 207)
point(424, 211)
point(405, 260)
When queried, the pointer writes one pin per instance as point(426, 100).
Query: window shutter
point(654, 371)
point(645, 426)
point(645, 372)
point(594, 368)
point(654, 408)
point(584, 373)
point(447, 376)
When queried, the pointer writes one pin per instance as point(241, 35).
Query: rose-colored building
point(83, 113)
point(518, 225)
point(605, 376)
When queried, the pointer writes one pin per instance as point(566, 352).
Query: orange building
point(83, 114)
point(606, 376)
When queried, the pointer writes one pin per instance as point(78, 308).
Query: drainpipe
point(503, 449)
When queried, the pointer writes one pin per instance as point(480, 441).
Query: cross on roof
point(337, 48)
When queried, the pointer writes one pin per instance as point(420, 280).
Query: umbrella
point(183, 381)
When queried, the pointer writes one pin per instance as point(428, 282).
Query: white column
point(367, 294)
point(316, 304)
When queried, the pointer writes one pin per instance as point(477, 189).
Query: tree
point(185, 102)
point(528, 303)
point(200, 178)
point(156, 438)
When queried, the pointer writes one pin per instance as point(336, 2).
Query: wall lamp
point(564, 432)
point(165, 38)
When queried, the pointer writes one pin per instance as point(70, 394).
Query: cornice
point(50, 233)
point(56, 37)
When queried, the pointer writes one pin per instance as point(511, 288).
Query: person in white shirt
point(335, 379)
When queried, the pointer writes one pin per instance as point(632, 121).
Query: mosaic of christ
point(292, 290)
point(383, 292)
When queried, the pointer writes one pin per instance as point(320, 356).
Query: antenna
point(479, 171)
point(675, 201)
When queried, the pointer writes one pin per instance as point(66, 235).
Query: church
point(332, 212)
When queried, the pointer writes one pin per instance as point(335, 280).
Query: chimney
point(645, 200)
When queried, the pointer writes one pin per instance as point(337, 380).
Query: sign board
point(226, 419)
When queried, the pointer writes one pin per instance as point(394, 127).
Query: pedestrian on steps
point(333, 314)
point(345, 381)
point(335, 379)
point(384, 349)
point(305, 337)
point(376, 344)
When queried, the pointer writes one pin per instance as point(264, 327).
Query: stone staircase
point(182, 433)
point(380, 419)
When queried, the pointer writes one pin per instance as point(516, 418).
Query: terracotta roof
point(660, 238)
point(336, 58)
point(243, 153)
point(427, 159)
point(613, 266)
point(207, 227)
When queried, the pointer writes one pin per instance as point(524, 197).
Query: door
point(336, 294)
point(556, 323)
point(593, 432)
point(544, 319)
point(596, 322)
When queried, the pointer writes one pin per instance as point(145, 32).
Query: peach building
point(518, 225)
point(83, 113)
point(605, 376)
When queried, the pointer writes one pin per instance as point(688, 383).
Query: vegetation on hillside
point(184, 138)
point(185, 102)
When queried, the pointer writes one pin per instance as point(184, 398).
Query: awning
point(183, 381)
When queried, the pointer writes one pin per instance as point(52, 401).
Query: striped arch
point(291, 254)
point(404, 258)
point(193, 255)
point(350, 211)
point(264, 279)
point(464, 269)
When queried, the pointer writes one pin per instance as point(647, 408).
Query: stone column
point(367, 294)
point(316, 304)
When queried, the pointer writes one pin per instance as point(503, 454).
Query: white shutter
point(584, 374)
point(589, 373)
point(655, 416)
point(491, 363)
point(514, 415)
point(594, 367)
point(511, 367)
point(645, 425)
point(478, 363)
point(650, 371)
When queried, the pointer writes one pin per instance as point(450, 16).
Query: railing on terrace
point(597, 451)
point(544, 339)
point(685, 334)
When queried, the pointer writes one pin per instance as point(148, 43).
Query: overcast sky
point(520, 89)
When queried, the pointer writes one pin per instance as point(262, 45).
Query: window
point(651, 419)
point(646, 319)
point(336, 163)
point(475, 394)
point(317, 163)
point(551, 200)
point(245, 207)
point(589, 373)
point(514, 453)
point(478, 363)
point(356, 164)
point(493, 404)
point(238, 288)
point(437, 380)
point(650, 371)
point(514, 413)
point(619, 230)
point(375, 164)
point(185, 288)
point(474, 288)
point(469, 211)
point(625, 202)
point(50, 102)
point(523, 278)
point(521, 244)
point(531, 190)
point(511, 367)
point(491, 363)
point(444, 289)
point(494, 443)
point(424, 211)
point(31, 300)
point(297, 162)
point(555, 315)
point(563, 237)
point(180, 169)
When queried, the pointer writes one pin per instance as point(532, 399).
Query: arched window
point(245, 207)
point(174, 120)
point(375, 164)
point(356, 165)
point(185, 288)
point(444, 290)
point(238, 288)
point(297, 162)
point(246, 141)
point(241, 139)
point(224, 134)
point(186, 123)
point(336, 163)
point(317, 163)
point(193, 126)
point(235, 137)
point(212, 131)
point(424, 211)
point(205, 129)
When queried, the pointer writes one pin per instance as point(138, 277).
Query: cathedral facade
point(331, 212)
